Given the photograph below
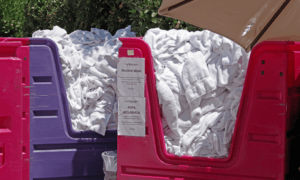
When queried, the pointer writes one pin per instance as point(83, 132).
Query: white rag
point(89, 62)
point(200, 77)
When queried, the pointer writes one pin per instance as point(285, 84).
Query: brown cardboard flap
point(242, 21)
point(286, 27)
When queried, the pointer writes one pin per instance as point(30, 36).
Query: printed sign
point(131, 77)
point(131, 116)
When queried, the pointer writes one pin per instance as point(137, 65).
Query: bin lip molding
point(233, 156)
point(68, 124)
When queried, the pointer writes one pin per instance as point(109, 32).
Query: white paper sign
point(131, 116)
point(131, 77)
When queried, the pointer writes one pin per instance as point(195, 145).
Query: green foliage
point(40, 14)
point(20, 18)
point(76, 14)
point(144, 16)
point(12, 17)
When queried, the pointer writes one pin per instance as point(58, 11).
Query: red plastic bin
point(265, 125)
point(14, 109)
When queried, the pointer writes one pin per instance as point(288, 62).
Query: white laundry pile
point(89, 62)
point(200, 76)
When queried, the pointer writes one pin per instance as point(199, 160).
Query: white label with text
point(131, 77)
point(131, 116)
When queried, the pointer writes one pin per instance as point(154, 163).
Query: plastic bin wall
point(264, 128)
point(58, 152)
point(14, 108)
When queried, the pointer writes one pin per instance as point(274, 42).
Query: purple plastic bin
point(57, 152)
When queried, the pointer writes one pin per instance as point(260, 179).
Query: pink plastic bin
point(264, 128)
point(14, 109)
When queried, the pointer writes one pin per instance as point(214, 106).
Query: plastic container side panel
point(14, 98)
point(57, 151)
point(259, 136)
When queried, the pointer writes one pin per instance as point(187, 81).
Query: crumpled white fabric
point(89, 62)
point(200, 77)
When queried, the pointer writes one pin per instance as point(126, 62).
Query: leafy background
point(20, 18)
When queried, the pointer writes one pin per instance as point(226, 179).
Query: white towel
point(169, 106)
point(89, 61)
point(196, 81)
point(201, 74)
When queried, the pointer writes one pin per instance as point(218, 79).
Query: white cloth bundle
point(200, 76)
point(89, 62)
